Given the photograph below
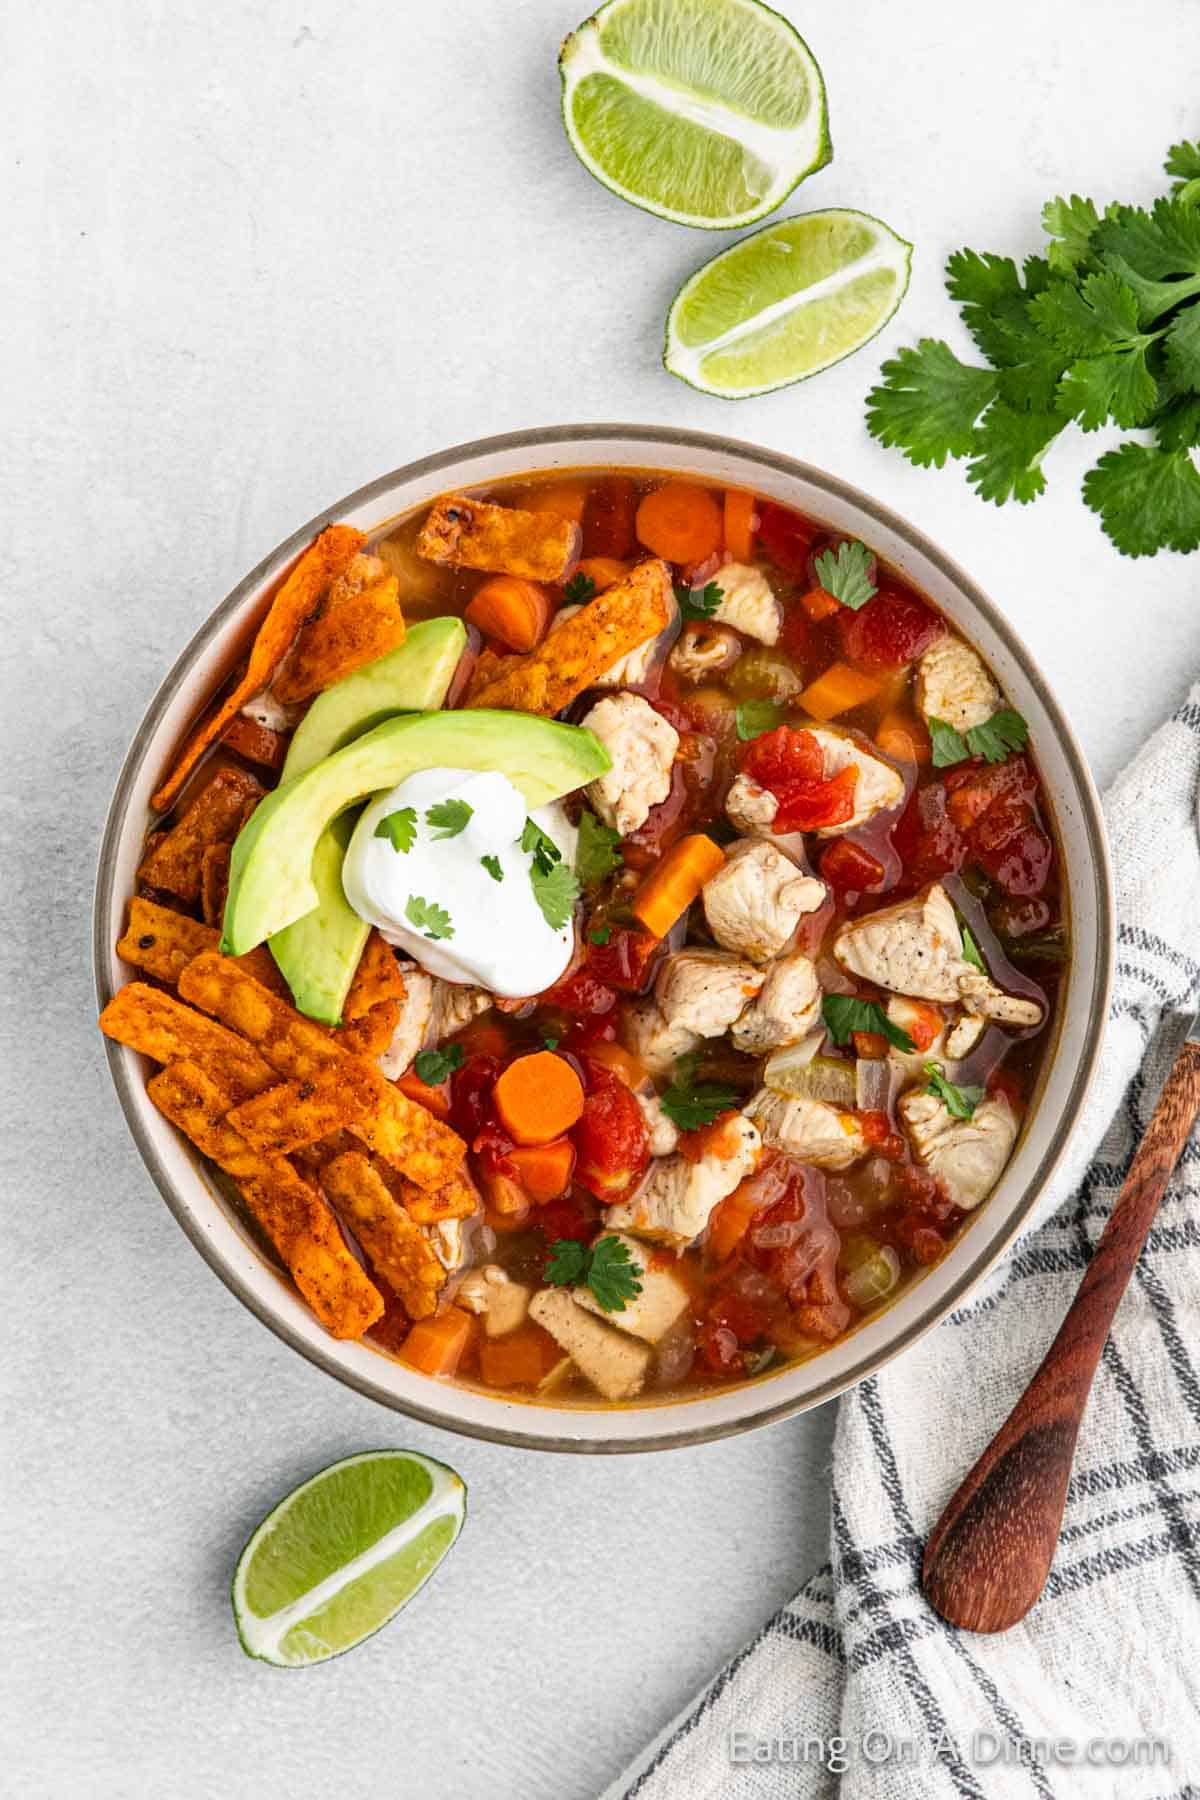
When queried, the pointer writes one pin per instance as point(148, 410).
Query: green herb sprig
point(606, 1267)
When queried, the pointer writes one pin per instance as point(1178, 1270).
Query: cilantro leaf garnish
point(433, 1066)
point(579, 590)
point(998, 737)
point(399, 828)
point(606, 1267)
point(433, 921)
point(929, 402)
point(756, 716)
point(492, 865)
point(844, 1014)
point(690, 1104)
point(556, 890)
point(550, 1043)
point(960, 1102)
point(596, 853)
point(1069, 225)
point(846, 573)
point(1148, 499)
point(541, 846)
point(699, 603)
point(600, 934)
point(1183, 161)
point(970, 949)
point(449, 818)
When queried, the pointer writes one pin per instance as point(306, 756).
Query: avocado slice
point(319, 953)
point(270, 878)
point(412, 678)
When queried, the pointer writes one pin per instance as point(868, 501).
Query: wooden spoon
point(989, 1555)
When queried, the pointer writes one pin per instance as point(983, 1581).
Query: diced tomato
point(924, 1023)
point(492, 1148)
point(893, 629)
point(1003, 1084)
point(713, 1139)
point(783, 756)
point(994, 806)
point(1020, 918)
point(570, 1217)
point(973, 788)
point(610, 1138)
point(471, 1095)
point(624, 960)
point(608, 517)
point(786, 538)
point(849, 869)
point(795, 636)
point(877, 1129)
point(591, 1029)
point(814, 805)
point(583, 992)
point(926, 839)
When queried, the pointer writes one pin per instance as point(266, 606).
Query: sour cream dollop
point(497, 936)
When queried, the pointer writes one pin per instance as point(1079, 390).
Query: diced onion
point(873, 1279)
point(784, 1064)
point(875, 1080)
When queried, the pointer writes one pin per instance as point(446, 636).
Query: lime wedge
point(786, 302)
point(337, 1559)
point(707, 112)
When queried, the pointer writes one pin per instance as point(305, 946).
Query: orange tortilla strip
point(473, 534)
point(293, 1215)
point(295, 1114)
point(214, 882)
point(176, 863)
point(360, 630)
point(163, 942)
point(582, 648)
point(399, 1129)
point(370, 1034)
point(457, 1200)
point(166, 1031)
point(376, 978)
point(395, 1246)
point(257, 743)
point(294, 601)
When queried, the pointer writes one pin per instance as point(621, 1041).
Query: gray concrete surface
point(254, 255)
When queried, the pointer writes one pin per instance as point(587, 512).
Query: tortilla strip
point(213, 817)
point(581, 649)
point(292, 604)
point(295, 1114)
point(363, 571)
point(377, 977)
point(161, 1028)
point(457, 1200)
point(398, 1128)
point(395, 1246)
point(163, 942)
point(371, 1033)
point(257, 743)
point(473, 534)
point(214, 882)
point(360, 630)
point(293, 1215)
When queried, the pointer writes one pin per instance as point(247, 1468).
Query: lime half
point(343, 1553)
point(786, 302)
point(707, 112)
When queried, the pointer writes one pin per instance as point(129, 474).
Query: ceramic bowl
point(214, 1226)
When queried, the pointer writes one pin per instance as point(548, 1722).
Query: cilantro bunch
point(1103, 329)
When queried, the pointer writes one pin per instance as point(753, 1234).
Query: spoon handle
point(988, 1556)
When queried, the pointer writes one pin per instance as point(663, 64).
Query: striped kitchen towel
point(856, 1687)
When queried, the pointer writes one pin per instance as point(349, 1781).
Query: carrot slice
point(437, 1346)
point(871, 1046)
point(437, 1099)
point(903, 738)
point(544, 1169)
point(514, 611)
point(291, 606)
point(727, 1226)
point(740, 524)
point(680, 522)
point(819, 605)
point(518, 1359)
point(538, 1097)
point(838, 690)
point(674, 882)
point(603, 571)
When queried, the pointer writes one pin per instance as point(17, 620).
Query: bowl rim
point(532, 440)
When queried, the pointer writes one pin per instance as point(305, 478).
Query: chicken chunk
point(812, 1131)
point(787, 1008)
point(916, 948)
point(748, 602)
point(630, 670)
point(962, 1037)
point(753, 904)
point(654, 1041)
point(966, 1155)
point(909, 1016)
point(953, 685)
point(611, 1360)
point(494, 1296)
point(879, 787)
point(751, 807)
point(662, 1133)
point(446, 1240)
point(431, 1011)
point(705, 990)
point(650, 1314)
point(704, 649)
point(643, 747)
point(674, 1202)
point(455, 1004)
